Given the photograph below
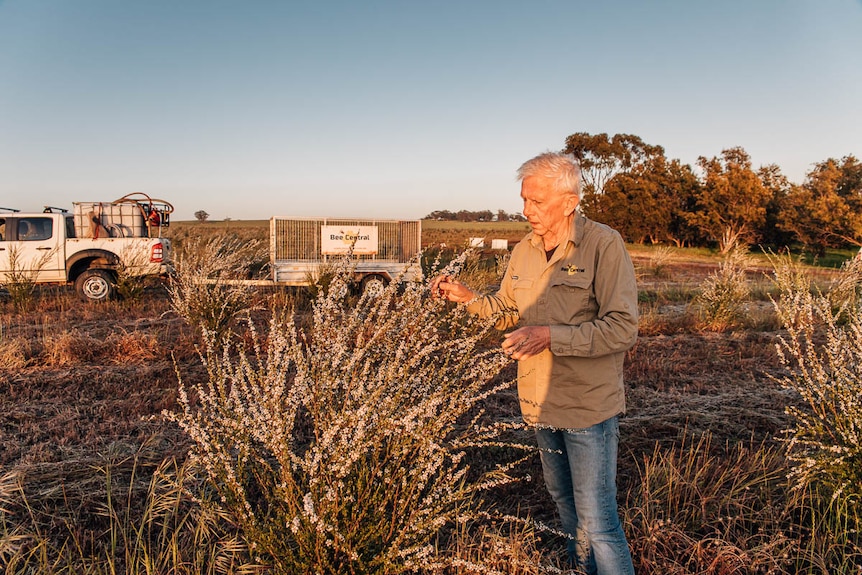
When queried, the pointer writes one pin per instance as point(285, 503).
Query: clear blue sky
point(392, 109)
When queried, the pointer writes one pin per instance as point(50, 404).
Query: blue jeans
point(580, 467)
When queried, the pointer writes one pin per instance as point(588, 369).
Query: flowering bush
point(344, 447)
point(823, 349)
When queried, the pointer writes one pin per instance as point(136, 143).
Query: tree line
point(477, 216)
point(723, 201)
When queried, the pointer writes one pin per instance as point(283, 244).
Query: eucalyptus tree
point(780, 189)
point(603, 157)
point(732, 200)
point(648, 203)
point(826, 211)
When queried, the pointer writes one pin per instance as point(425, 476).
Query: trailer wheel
point(373, 285)
point(95, 286)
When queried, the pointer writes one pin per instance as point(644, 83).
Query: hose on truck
point(156, 212)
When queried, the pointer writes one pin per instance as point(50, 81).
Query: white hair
point(564, 169)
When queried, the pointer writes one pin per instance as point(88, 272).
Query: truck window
point(2, 229)
point(70, 227)
point(35, 229)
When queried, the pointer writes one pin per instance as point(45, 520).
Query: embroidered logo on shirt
point(572, 269)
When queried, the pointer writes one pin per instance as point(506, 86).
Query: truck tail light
point(156, 253)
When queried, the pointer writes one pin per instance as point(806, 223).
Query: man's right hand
point(451, 289)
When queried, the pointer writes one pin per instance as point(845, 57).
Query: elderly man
point(573, 287)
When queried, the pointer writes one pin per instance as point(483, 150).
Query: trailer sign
point(336, 240)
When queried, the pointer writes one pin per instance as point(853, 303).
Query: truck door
point(33, 245)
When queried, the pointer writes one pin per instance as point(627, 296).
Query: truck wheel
point(373, 285)
point(95, 285)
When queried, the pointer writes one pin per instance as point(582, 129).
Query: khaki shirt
point(587, 294)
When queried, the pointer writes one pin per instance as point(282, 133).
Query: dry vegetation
point(93, 479)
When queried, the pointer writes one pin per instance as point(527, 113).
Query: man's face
point(545, 208)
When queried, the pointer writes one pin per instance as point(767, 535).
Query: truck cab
point(34, 242)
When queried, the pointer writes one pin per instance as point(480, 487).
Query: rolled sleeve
point(501, 305)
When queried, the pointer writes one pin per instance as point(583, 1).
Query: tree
point(601, 157)
point(826, 211)
point(484, 216)
point(465, 216)
point(683, 189)
point(649, 202)
point(630, 205)
point(848, 186)
point(469, 216)
point(440, 215)
point(780, 189)
point(731, 205)
point(201, 216)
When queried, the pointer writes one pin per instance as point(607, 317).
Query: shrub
point(660, 260)
point(318, 281)
point(128, 281)
point(823, 351)
point(846, 289)
point(202, 289)
point(21, 278)
point(345, 448)
point(724, 292)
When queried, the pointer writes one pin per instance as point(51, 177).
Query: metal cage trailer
point(383, 250)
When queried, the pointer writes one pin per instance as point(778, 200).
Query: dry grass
point(14, 352)
point(707, 509)
point(456, 235)
point(492, 550)
point(71, 348)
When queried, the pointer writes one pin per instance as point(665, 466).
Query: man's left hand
point(527, 341)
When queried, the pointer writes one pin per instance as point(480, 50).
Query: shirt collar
point(574, 235)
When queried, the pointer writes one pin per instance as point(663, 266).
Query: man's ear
point(570, 204)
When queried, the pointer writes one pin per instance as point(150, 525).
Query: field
point(701, 475)
point(434, 233)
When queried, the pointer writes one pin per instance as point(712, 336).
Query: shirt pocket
point(572, 300)
point(522, 289)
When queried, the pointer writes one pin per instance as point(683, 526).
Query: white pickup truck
point(88, 247)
